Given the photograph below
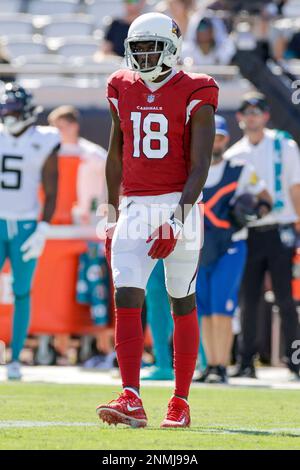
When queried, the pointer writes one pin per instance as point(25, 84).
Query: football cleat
point(178, 414)
point(127, 409)
point(14, 371)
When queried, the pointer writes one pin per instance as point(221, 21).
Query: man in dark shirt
point(116, 32)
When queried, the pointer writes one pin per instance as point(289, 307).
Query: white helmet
point(160, 29)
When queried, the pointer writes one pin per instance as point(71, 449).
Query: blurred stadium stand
point(54, 49)
point(103, 10)
point(292, 9)
point(69, 26)
point(47, 7)
point(20, 24)
point(11, 6)
point(276, 84)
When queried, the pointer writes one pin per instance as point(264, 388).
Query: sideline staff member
point(271, 240)
point(223, 255)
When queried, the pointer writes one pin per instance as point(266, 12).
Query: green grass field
point(43, 416)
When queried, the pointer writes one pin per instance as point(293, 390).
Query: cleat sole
point(174, 425)
point(107, 415)
point(165, 426)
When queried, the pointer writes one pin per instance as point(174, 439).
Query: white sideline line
point(268, 378)
point(41, 424)
point(213, 430)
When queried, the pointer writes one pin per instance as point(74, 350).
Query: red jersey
point(156, 128)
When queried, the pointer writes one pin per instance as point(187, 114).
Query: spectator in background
point(22, 235)
point(223, 255)
point(271, 241)
point(91, 191)
point(287, 45)
point(161, 325)
point(91, 186)
point(4, 59)
point(209, 46)
point(116, 32)
point(179, 10)
point(292, 50)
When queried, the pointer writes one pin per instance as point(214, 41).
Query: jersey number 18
point(150, 135)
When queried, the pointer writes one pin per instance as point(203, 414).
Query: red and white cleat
point(178, 414)
point(127, 409)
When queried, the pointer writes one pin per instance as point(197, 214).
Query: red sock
point(186, 345)
point(129, 344)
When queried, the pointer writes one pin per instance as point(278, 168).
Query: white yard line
point(227, 429)
point(42, 424)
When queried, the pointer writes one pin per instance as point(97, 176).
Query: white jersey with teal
point(21, 162)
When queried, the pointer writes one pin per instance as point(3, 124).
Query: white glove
point(34, 245)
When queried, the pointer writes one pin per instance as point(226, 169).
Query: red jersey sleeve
point(205, 91)
point(112, 92)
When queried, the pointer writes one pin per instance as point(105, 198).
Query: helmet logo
point(175, 29)
point(150, 98)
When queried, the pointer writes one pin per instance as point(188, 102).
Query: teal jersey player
point(28, 158)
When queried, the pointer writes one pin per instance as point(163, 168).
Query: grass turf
point(221, 419)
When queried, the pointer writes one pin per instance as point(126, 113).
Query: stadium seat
point(68, 27)
point(54, 91)
point(78, 47)
point(51, 7)
point(27, 45)
point(39, 59)
point(20, 26)
point(100, 9)
point(291, 9)
point(10, 6)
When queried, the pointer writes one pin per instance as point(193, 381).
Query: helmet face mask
point(17, 111)
point(152, 36)
point(147, 61)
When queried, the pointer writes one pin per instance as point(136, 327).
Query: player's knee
point(176, 287)
point(129, 297)
point(184, 305)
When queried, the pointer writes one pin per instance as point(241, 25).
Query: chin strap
point(165, 72)
point(161, 73)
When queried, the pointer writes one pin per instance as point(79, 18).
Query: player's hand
point(165, 238)
point(33, 247)
point(109, 231)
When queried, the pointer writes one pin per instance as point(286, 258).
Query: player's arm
point(33, 247)
point(295, 196)
point(202, 139)
point(113, 169)
point(49, 184)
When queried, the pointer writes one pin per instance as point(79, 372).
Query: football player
point(160, 151)
point(28, 156)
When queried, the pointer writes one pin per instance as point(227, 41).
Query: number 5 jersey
point(21, 162)
point(156, 128)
